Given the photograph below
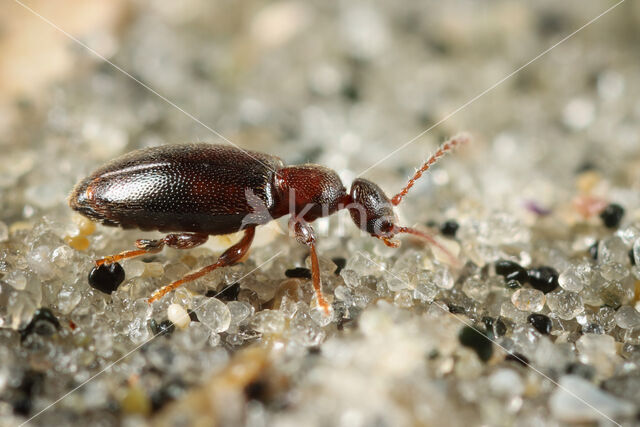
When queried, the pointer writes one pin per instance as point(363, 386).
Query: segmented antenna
point(447, 146)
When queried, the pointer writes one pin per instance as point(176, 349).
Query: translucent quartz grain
point(39, 260)
point(305, 330)
point(214, 339)
point(408, 262)
point(268, 322)
point(319, 316)
point(138, 331)
point(212, 312)
point(68, 298)
point(566, 305)
point(134, 268)
point(603, 317)
point(575, 277)
point(351, 278)
point(17, 279)
point(153, 269)
point(443, 278)
point(239, 311)
point(62, 256)
point(528, 299)
point(509, 311)
point(476, 289)
point(616, 293)
point(343, 293)
point(426, 289)
point(597, 350)
point(398, 281)
point(614, 271)
point(632, 336)
point(627, 317)
point(364, 264)
point(142, 309)
point(403, 299)
point(612, 249)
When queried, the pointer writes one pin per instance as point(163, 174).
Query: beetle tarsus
point(112, 259)
point(315, 277)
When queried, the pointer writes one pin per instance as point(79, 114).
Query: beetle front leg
point(147, 246)
point(229, 257)
point(304, 234)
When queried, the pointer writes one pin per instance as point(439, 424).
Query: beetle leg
point(111, 259)
point(304, 234)
point(229, 257)
point(147, 246)
point(185, 240)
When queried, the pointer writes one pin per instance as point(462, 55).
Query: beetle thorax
point(310, 191)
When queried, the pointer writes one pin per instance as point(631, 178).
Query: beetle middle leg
point(229, 257)
point(147, 246)
point(304, 234)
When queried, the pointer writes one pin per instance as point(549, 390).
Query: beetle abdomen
point(202, 188)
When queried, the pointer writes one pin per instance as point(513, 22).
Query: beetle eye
point(384, 228)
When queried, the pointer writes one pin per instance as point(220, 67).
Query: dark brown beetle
point(199, 190)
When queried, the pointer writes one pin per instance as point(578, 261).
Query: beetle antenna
point(432, 241)
point(446, 147)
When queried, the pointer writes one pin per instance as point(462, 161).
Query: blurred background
point(549, 90)
point(342, 84)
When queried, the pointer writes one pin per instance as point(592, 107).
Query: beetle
point(193, 191)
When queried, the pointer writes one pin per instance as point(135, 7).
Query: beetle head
point(372, 211)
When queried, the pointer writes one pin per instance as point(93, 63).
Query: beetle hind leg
point(229, 257)
point(147, 246)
